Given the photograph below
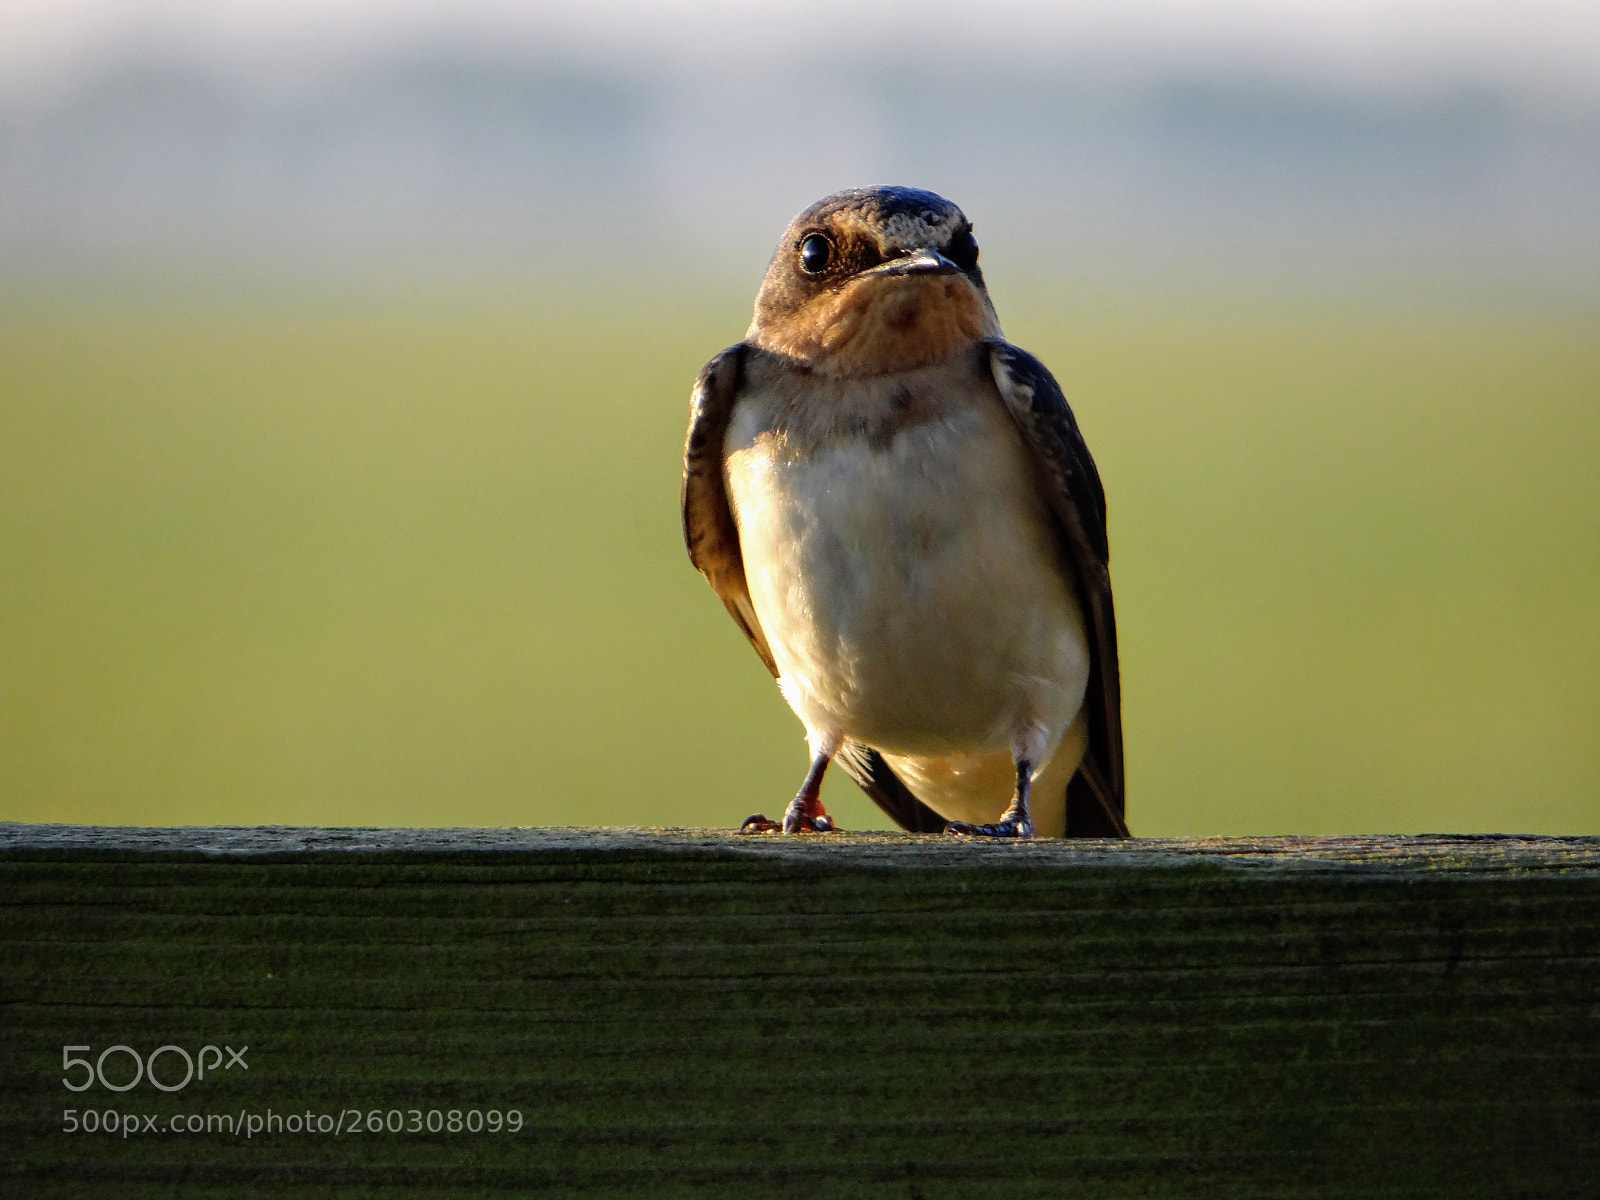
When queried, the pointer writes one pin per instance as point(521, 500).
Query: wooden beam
point(687, 1013)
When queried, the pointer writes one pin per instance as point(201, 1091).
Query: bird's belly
point(911, 588)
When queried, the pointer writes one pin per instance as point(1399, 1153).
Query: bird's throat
point(878, 325)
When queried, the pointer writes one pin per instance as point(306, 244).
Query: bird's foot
point(802, 816)
point(1011, 825)
point(759, 823)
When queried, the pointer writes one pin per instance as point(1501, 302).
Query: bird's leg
point(1015, 821)
point(805, 813)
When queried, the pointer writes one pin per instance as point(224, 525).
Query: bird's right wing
point(712, 538)
point(709, 530)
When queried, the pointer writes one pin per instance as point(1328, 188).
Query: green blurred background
point(404, 564)
point(403, 548)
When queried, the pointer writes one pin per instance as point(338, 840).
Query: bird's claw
point(791, 823)
point(1006, 827)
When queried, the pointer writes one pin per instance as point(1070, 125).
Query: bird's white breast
point(901, 561)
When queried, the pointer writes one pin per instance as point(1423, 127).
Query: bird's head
point(874, 280)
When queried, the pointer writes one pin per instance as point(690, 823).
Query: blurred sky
point(1316, 142)
point(1539, 45)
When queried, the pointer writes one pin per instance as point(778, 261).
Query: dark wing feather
point(1095, 798)
point(888, 791)
point(708, 527)
point(712, 538)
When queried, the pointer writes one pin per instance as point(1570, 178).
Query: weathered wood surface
point(686, 1013)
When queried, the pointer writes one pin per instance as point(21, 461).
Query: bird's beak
point(926, 261)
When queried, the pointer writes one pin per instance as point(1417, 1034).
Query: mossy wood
point(674, 1013)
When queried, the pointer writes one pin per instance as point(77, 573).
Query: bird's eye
point(816, 251)
point(963, 249)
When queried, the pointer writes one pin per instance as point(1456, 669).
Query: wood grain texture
point(684, 1013)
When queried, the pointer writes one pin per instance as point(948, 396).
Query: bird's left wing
point(1095, 796)
point(712, 537)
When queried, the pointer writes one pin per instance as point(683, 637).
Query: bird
point(896, 506)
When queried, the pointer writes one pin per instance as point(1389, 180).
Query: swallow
point(897, 508)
